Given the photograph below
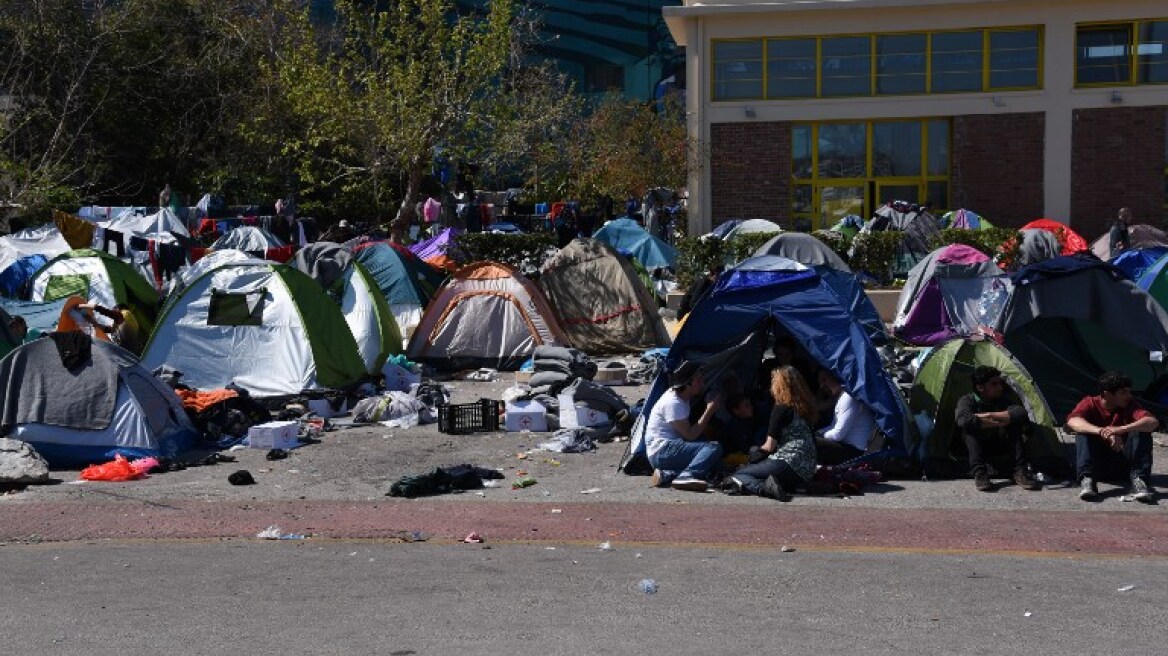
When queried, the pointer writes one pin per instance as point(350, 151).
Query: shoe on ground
point(771, 489)
point(981, 480)
point(1087, 489)
point(659, 479)
point(1025, 481)
point(733, 486)
point(1140, 490)
point(689, 483)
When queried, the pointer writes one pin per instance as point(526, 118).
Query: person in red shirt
point(1113, 436)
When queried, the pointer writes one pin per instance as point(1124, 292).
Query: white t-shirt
point(851, 423)
point(668, 409)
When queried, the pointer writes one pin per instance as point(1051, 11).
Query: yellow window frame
point(1133, 56)
point(872, 56)
point(817, 183)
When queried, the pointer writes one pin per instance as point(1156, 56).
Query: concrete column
point(1058, 82)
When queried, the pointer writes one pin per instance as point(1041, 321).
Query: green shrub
point(875, 253)
point(836, 241)
point(695, 256)
point(741, 247)
point(526, 252)
point(987, 241)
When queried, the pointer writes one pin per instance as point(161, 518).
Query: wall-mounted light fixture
point(1116, 97)
point(998, 101)
point(749, 111)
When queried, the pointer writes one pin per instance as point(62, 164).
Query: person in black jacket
point(989, 421)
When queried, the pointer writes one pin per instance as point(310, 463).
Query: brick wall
point(1118, 160)
point(997, 166)
point(750, 171)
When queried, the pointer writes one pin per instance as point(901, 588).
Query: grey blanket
point(39, 389)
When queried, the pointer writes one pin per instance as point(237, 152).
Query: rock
point(20, 463)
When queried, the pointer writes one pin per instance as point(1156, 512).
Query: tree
point(623, 148)
point(395, 81)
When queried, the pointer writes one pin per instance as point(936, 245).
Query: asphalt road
point(354, 597)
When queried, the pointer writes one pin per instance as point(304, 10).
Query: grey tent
point(1037, 246)
point(248, 239)
point(950, 293)
point(921, 230)
point(1070, 318)
point(323, 261)
point(600, 300)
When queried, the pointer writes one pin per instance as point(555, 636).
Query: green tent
point(99, 278)
point(944, 377)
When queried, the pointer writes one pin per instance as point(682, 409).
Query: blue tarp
point(19, 272)
point(625, 235)
point(1138, 263)
point(770, 290)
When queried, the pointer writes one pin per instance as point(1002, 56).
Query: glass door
point(839, 200)
point(890, 191)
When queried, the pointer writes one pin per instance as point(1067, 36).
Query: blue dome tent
point(767, 296)
point(625, 235)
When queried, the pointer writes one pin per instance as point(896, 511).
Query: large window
point(883, 64)
point(1110, 54)
point(851, 167)
point(738, 67)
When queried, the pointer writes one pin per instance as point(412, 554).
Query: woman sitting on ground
point(786, 461)
point(674, 442)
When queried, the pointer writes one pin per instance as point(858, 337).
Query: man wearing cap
point(680, 458)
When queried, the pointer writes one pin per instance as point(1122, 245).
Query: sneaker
point(981, 480)
point(1023, 480)
point(733, 486)
point(1087, 489)
point(1140, 490)
point(687, 482)
point(659, 479)
point(771, 489)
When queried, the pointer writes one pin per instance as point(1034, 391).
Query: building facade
point(810, 110)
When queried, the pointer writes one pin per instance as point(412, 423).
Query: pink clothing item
point(431, 209)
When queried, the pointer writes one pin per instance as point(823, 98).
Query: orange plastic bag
point(118, 469)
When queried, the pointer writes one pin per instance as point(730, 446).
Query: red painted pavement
point(1041, 532)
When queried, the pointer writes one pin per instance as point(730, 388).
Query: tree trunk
point(407, 211)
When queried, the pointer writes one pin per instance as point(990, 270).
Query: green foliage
point(836, 241)
point(987, 241)
point(740, 247)
point(526, 252)
point(695, 256)
point(875, 253)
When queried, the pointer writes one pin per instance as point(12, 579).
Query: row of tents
point(1051, 328)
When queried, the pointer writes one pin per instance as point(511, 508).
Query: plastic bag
point(118, 469)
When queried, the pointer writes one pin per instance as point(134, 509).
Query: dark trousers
point(1094, 458)
point(830, 452)
point(1006, 440)
point(753, 476)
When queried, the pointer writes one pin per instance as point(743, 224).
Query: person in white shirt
point(847, 436)
point(680, 458)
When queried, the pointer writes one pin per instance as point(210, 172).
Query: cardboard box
point(611, 376)
point(399, 379)
point(526, 416)
point(274, 435)
point(573, 416)
point(523, 377)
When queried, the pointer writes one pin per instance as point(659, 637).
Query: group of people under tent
point(796, 416)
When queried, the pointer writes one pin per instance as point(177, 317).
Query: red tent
point(1071, 241)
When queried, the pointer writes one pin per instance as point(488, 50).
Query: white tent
point(266, 327)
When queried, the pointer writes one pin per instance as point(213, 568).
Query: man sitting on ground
point(1113, 438)
point(846, 437)
point(988, 421)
